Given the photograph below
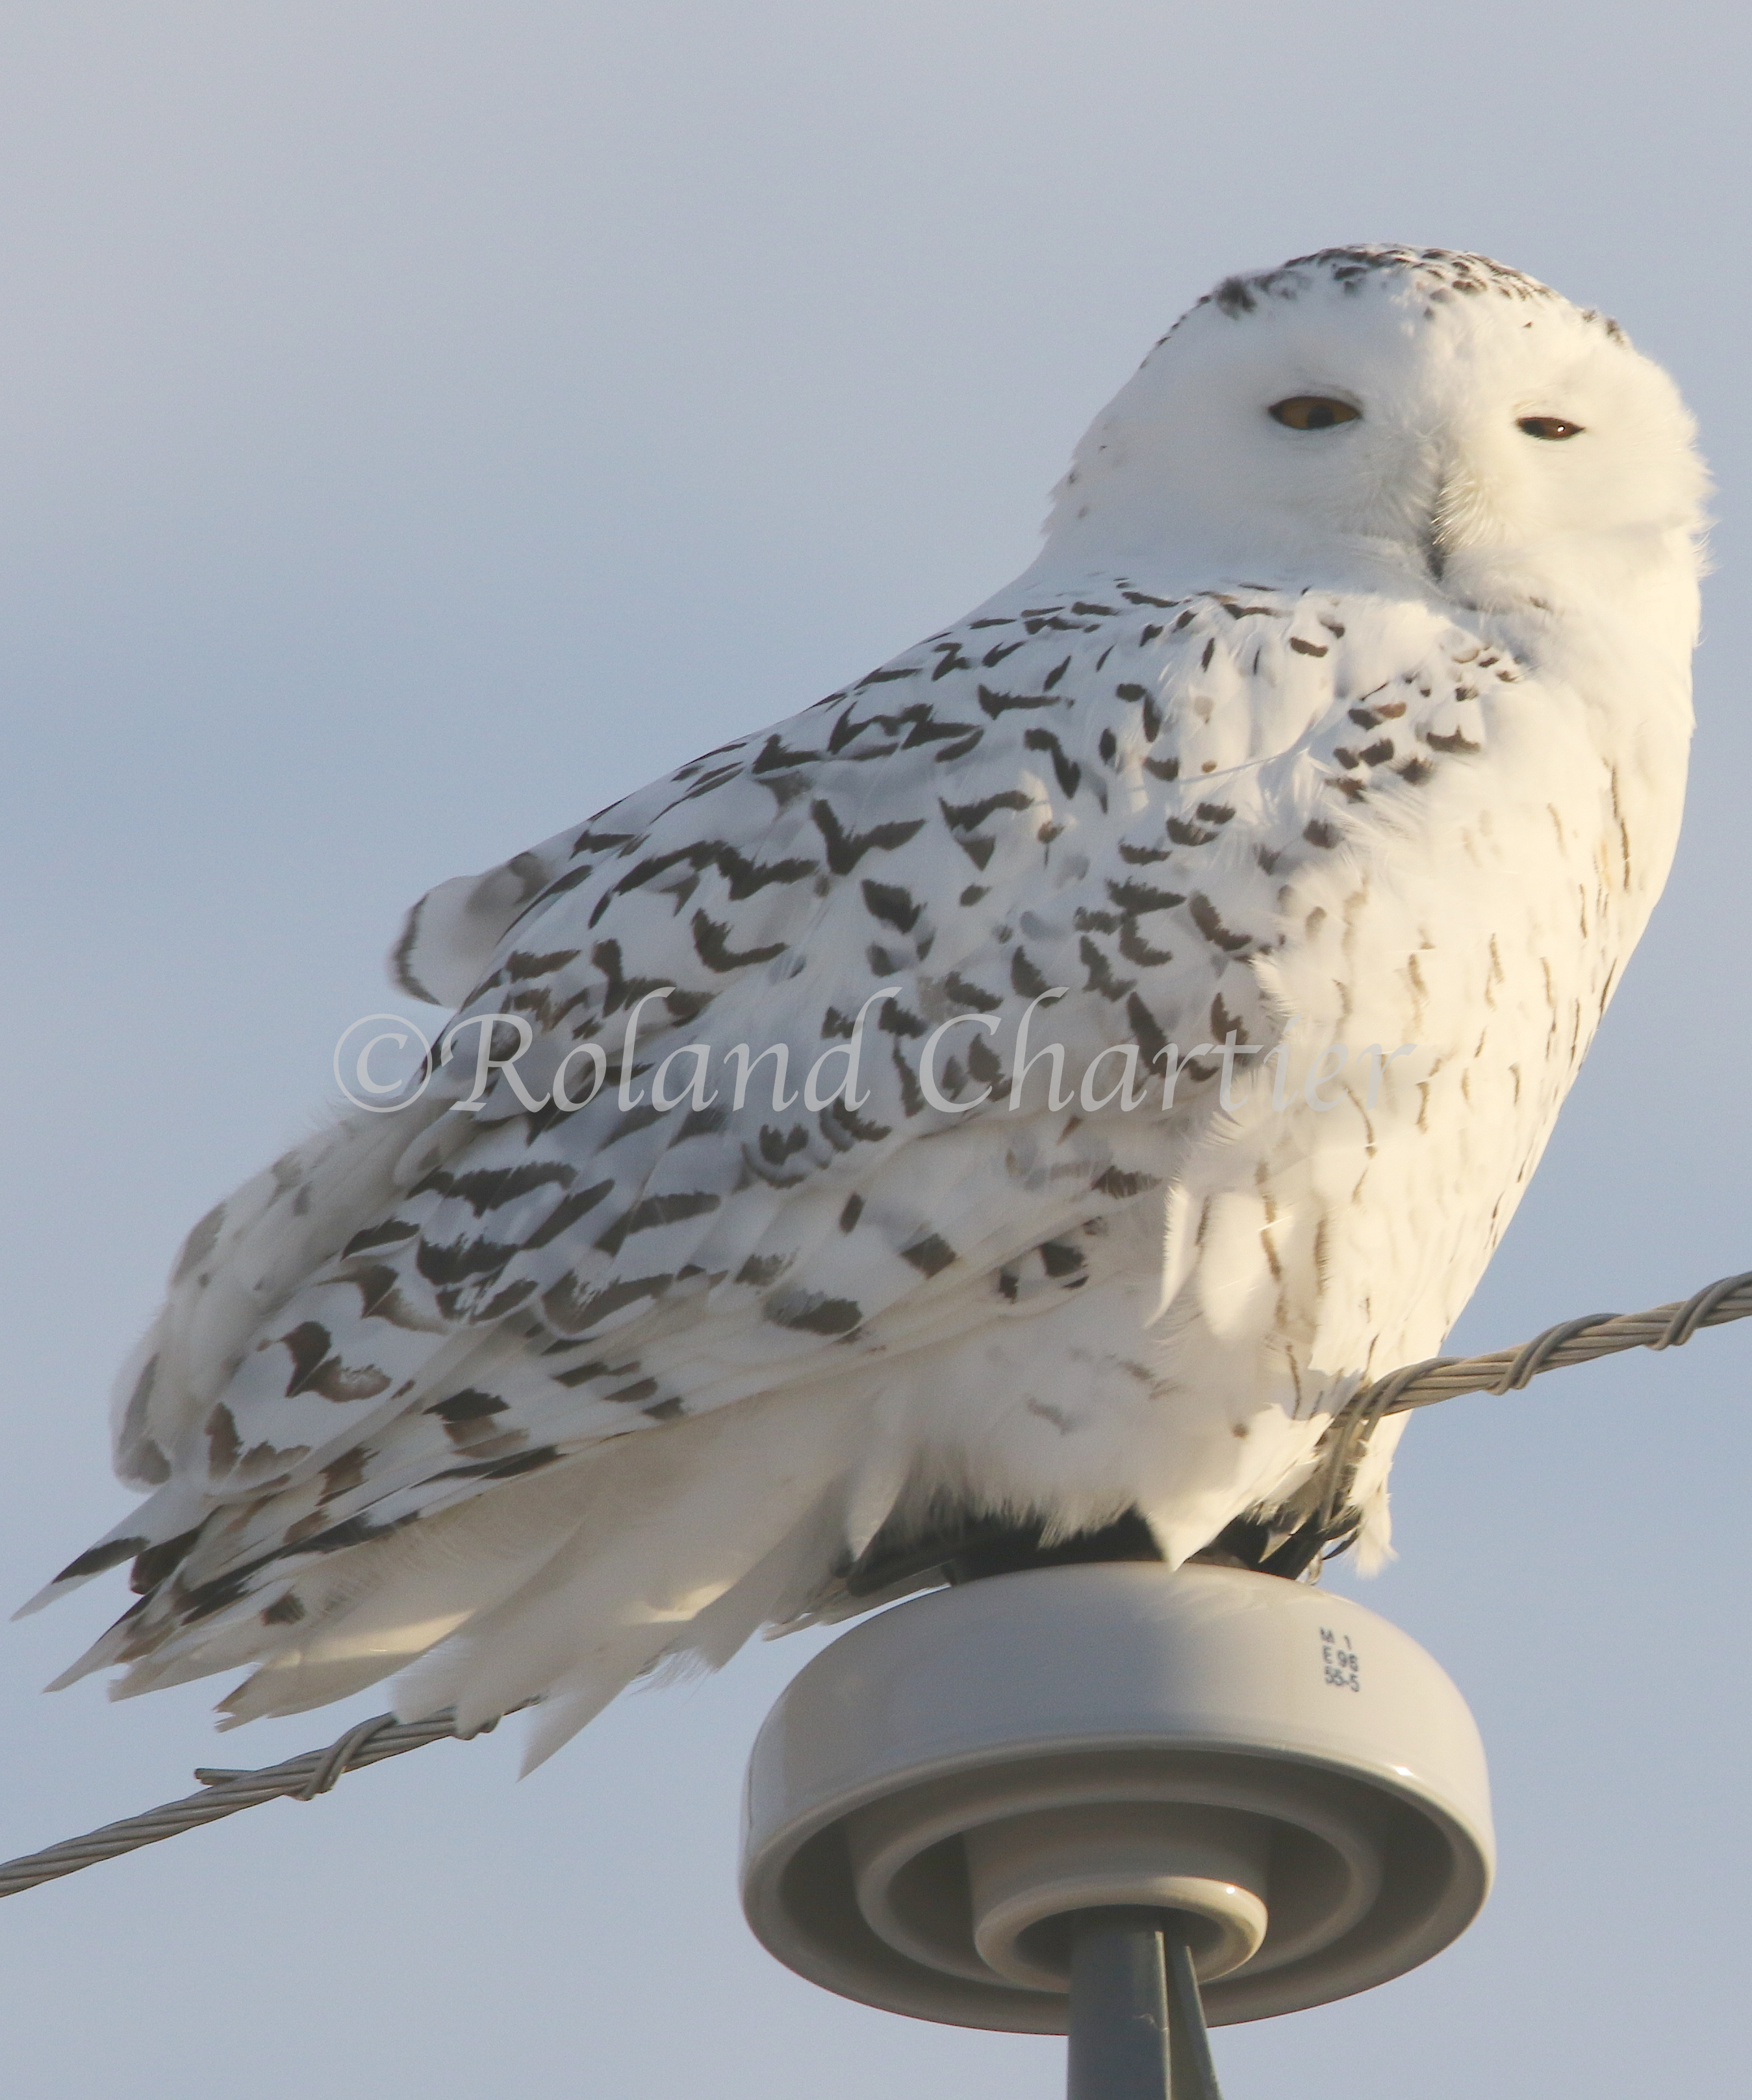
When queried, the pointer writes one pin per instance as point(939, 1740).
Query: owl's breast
point(1436, 983)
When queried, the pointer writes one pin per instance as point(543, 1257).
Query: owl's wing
point(1076, 815)
point(448, 941)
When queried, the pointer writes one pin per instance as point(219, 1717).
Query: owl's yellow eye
point(1313, 412)
point(1548, 426)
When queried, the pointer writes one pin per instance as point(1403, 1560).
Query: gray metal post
point(1194, 2075)
point(1137, 2029)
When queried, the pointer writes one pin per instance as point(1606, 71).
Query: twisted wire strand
point(224, 1792)
point(1570, 1341)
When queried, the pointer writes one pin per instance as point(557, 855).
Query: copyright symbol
point(353, 1064)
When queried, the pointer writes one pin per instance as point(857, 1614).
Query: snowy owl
point(1036, 1085)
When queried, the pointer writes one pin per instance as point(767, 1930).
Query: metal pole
point(1137, 2029)
point(1194, 2075)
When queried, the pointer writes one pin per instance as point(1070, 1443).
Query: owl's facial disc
point(1362, 417)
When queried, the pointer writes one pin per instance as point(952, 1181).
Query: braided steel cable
point(1570, 1341)
point(225, 1793)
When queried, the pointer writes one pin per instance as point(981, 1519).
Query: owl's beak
point(1439, 533)
point(1455, 518)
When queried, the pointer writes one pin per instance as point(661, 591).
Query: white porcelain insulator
point(936, 1794)
point(1027, 1874)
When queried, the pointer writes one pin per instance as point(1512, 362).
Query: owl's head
point(1378, 415)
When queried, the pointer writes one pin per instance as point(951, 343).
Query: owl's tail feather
point(665, 1548)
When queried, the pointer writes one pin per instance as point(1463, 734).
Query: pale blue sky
point(419, 423)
